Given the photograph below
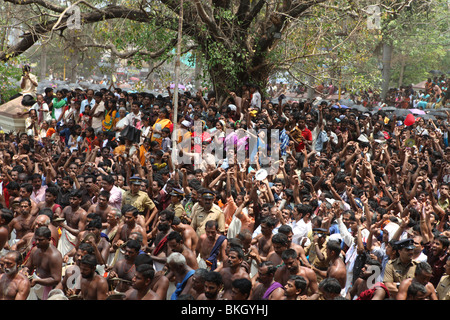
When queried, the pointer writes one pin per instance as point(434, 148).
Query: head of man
point(370, 267)
point(107, 182)
point(423, 272)
point(177, 263)
point(405, 250)
point(66, 183)
point(440, 245)
point(42, 237)
point(240, 289)
point(132, 249)
point(235, 257)
point(83, 249)
point(10, 262)
point(211, 229)
point(175, 241)
point(267, 226)
point(36, 181)
point(51, 193)
point(103, 199)
point(26, 190)
point(280, 243)
point(198, 280)
point(25, 206)
point(295, 286)
point(290, 260)
point(266, 271)
point(208, 199)
point(213, 284)
point(329, 288)
point(143, 277)
point(75, 198)
point(88, 264)
point(416, 291)
point(41, 220)
point(130, 214)
point(333, 250)
point(165, 220)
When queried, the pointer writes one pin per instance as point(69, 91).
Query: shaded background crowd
point(356, 207)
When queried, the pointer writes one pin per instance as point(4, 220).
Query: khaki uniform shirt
point(443, 288)
point(141, 201)
point(397, 272)
point(178, 208)
point(200, 217)
point(313, 259)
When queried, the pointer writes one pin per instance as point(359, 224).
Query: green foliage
point(10, 74)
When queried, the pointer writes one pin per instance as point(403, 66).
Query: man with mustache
point(93, 285)
point(44, 263)
point(125, 269)
point(130, 215)
point(13, 285)
point(141, 284)
point(291, 266)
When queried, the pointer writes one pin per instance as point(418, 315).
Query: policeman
point(140, 200)
point(401, 268)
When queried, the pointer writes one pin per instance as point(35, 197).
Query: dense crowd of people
point(337, 204)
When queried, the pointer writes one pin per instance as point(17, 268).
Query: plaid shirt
point(284, 142)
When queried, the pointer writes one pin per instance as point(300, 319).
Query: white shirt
point(256, 100)
point(300, 229)
point(86, 102)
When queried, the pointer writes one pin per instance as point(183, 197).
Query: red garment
point(306, 133)
point(368, 294)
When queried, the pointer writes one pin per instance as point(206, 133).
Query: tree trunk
point(402, 72)
point(386, 74)
point(43, 62)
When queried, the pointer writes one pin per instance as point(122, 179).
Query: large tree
point(238, 40)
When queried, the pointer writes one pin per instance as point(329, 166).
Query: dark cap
point(135, 180)
point(320, 231)
point(177, 192)
point(405, 244)
point(208, 194)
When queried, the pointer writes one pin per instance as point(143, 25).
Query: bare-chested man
point(233, 271)
point(422, 275)
point(13, 284)
point(27, 242)
point(129, 214)
point(263, 242)
point(71, 281)
point(291, 266)
point(160, 250)
point(190, 237)
point(182, 273)
point(6, 216)
point(44, 263)
point(75, 222)
point(336, 269)
point(102, 207)
point(51, 194)
point(22, 224)
point(125, 268)
point(93, 286)
point(141, 284)
point(176, 244)
point(25, 192)
point(211, 247)
point(280, 243)
point(287, 230)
